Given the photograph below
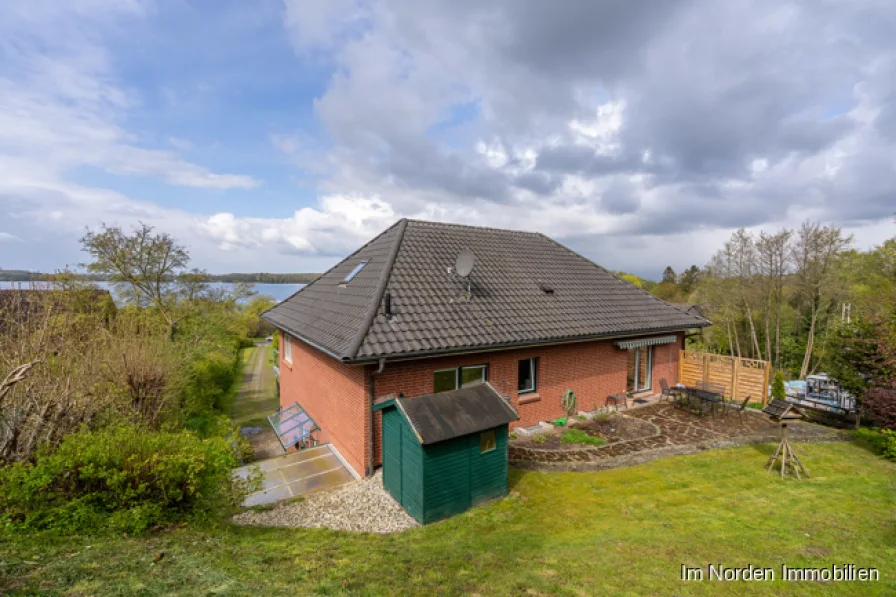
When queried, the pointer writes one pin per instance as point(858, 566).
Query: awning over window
point(627, 344)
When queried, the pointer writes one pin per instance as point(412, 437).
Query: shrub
point(882, 441)
point(577, 436)
point(602, 417)
point(756, 405)
point(880, 405)
point(209, 379)
point(122, 478)
point(539, 438)
point(778, 390)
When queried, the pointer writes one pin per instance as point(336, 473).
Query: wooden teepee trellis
point(787, 455)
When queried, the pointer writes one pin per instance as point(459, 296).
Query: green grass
point(620, 532)
point(577, 436)
point(255, 397)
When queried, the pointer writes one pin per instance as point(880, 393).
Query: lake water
point(278, 292)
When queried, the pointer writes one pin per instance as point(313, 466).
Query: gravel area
point(360, 506)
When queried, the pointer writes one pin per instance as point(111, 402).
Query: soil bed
point(613, 429)
point(664, 431)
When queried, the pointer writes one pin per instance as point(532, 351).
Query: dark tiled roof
point(460, 412)
point(507, 303)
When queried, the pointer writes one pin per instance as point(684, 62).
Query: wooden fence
point(741, 377)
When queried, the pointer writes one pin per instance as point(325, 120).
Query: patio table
point(706, 397)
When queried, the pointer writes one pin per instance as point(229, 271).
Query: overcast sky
point(278, 135)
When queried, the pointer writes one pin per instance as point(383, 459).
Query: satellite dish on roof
point(464, 264)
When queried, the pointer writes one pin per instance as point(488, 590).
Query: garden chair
point(665, 391)
point(741, 408)
point(715, 388)
point(615, 399)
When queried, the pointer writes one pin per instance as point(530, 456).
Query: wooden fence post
point(765, 383)
point(705, 366)
point(735, 371)
point(680, 366)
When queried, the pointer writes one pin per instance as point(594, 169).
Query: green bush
point(778, 390)
point(122, 478)
point(577, 436)
point(882, 441)
point(209, 380)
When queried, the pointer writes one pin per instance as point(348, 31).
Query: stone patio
point(674, 432)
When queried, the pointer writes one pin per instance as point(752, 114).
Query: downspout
point(372, 387)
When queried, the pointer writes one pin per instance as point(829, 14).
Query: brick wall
point(333, 394)
point(593, 370)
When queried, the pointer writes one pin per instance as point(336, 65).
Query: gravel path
point(360, 506)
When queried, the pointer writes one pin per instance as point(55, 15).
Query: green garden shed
point(445, 453)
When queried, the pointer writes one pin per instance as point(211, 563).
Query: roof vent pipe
point(387, 304)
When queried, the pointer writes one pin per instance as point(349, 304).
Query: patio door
point(639, 371)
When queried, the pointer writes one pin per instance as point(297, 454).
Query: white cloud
point(638, 136)
point(340, 224)
point(6, 237)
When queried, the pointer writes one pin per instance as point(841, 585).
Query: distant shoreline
point(250, 278)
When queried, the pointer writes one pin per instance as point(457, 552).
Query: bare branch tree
point(816, 251)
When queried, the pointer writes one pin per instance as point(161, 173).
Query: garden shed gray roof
point(525, 289)
point(447, 415)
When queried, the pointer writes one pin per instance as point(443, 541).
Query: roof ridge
point(456, 225)
point(340, 262)
point(385, 275)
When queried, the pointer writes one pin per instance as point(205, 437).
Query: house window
point(527, 376)
point(445, 380)
point(471, 376)
point(487, 441)
point(354, 272)
point(287, 348)
point(639, 372)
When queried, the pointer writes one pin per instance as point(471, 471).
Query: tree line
point(18, 275)
point(804, 299)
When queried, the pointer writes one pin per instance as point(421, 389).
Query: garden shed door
point(392, 431)
point(402, 463)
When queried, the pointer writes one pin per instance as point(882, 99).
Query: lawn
point(619, 532)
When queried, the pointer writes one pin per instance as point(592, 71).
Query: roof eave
point(523, 344)
point(311, 343)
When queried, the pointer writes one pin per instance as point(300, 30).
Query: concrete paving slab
point(294, 475)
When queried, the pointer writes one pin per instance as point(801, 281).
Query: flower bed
point(652, 432)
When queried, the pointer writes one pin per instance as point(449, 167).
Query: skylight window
point(354, 272)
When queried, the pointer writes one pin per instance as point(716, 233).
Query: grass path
point(257, 397)
point(619, 532)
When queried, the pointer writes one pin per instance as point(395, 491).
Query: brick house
point(534, 318)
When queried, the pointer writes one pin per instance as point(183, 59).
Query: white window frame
point(483, 368)
point(457, 374)
point(533, 370)
point(287, 348)
point(649, 385)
